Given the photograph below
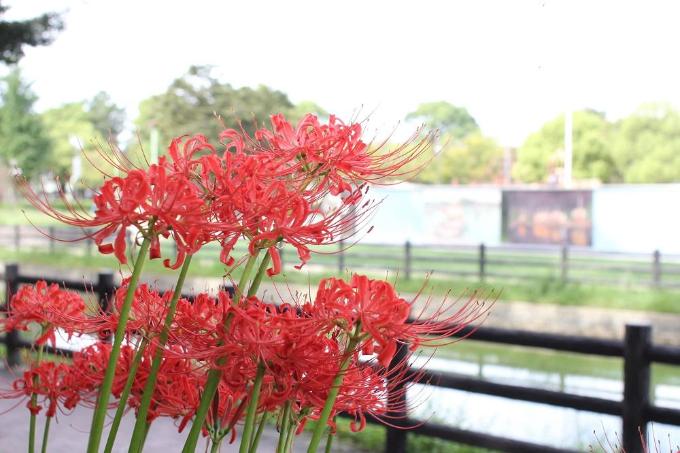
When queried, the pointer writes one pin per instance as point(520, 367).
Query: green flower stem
point(289, 437)
point(258, 276)
point(283, 429)
point(243, 281)
point(34, 402)
point(214, 375)
point(256, 439)
point(140, 424)
point(333, 393)
point(46, 433)
point(252, 409)
point(105, 389)
point(122, 402)
point(208, 394)
point(329, 441)
point(147, 427)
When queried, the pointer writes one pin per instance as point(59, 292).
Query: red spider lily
point(147, 312)
point(89, 365)
point(177, 390)
point(373, 304)
point(198, 327)
point(337, 152)
point(50, 307)
point(163, 193)
point(52, 383)
point(186, 154)
point(383, 316)
point(253, 201)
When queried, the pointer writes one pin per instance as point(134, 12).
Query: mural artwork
point(547, 217)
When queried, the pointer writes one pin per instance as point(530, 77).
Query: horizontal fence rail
point(635, 408)
point(509, 262)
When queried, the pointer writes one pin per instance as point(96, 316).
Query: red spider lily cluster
point(225, 364)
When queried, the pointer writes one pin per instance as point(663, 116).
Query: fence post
point(12, 337)
point(395, 441)
point(482, 262)
point(407, 260)
point(341, 256)
point(656, 269)
point(636, 372)
point(105, 290)
point(17, 237)
point(51, 233)
point(564, 263)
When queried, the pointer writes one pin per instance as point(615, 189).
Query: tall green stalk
point(333, 394)
point(105, 389)
point(283, 428)
point(34, 403)
point(125, 394)
point(252, 410)
point(215, 374)
point(258, 434)
point(46, 433)
point(140, 424)
point(259, 275)
point(329, 442)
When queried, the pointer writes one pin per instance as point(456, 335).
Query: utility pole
point(568, 149)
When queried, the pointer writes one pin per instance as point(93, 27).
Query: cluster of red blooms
point(301, 345)
point(266, 190)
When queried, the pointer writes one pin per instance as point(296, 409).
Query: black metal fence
point(635, 408)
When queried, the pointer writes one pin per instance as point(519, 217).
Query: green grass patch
point(548, 290)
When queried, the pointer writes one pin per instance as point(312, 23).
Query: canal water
point(539, 423)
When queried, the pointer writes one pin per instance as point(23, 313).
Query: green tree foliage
point(33, 32)
point(646, 147)
point(543, 151)
point(23, 141)
point(107, 118)
point(449, 119)
point(191, 103)
point(473, 160)
point(73, 134)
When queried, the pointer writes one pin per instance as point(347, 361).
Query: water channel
point(539, 423)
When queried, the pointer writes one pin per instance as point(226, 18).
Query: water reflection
point(533, 422)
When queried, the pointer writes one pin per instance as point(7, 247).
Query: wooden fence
point(635, 408)
point(514, 262)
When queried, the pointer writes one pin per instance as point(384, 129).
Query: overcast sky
point(513, 64)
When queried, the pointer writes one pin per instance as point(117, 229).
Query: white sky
point(513, 64)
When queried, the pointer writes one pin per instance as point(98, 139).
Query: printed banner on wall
point(547, 217)
point(432, 214)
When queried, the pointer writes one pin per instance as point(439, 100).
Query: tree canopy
point(192, 102)
point(646, 146)
point(542, 153)
point(14, 35)
point(23, 141)
point(448, 118)
point(107, 118)
point(475, 159)
point(74, 136)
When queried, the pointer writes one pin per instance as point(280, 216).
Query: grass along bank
point(548, 290)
